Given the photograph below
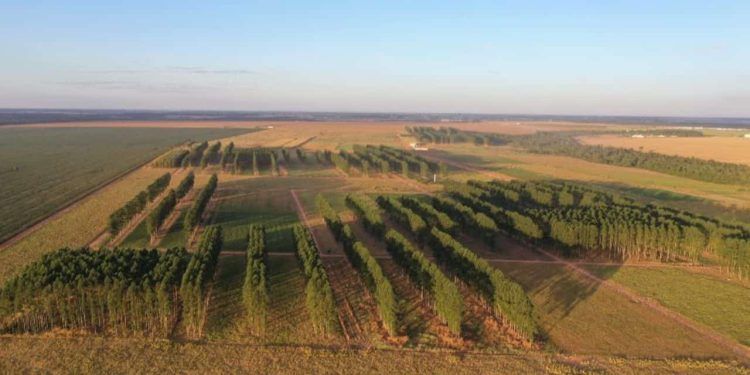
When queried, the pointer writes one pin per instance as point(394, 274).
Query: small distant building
point(638, 136)
point(747, 135)
point(418, 147)
point(269, 127)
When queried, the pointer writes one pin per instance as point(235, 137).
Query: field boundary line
point(302, 215)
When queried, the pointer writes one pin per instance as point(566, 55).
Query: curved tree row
point(117, 292)
point(193, 216)
point(318, 293)
point(449, 304)
point(368, 211)
point(198, 273)
point(255, 288)
point(508, 299)
point(363, 261)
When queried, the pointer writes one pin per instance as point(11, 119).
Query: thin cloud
point(140, 87)
point(178, 70)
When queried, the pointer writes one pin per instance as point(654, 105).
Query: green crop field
point(43, 169)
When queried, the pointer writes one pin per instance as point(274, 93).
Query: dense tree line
point(211, 155)
point(368, 211)
point(428, 134)
point(196, 154)
point(227, 155)
point(119, 292)
point(429, 213)
point(254, 161)
point(374, 162)
point(198, 274)
point(157, 187)
point(449, 304)
point(173, 159)
point(319, 299)
point(508, 299)
point(160, 213)
point(404, 216)
point(255, 288)
point(363, 261)
point(476, 223)
point(689, 167)
point(193, 216)
point(510, 221)
point(185, 185)
point(582, 221)
point(123, 215)
point(301, 156)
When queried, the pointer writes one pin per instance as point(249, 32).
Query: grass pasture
point(722, 305)
point(43, 169)
point(581, 317)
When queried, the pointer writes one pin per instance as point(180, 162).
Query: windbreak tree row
point(318, 293)
point(368, 211)
point(198, 274)
point(193, 216)
point(404, 216)
point(689, 167)
point(253, 161)
point(173, 159)
point(429, 213)
point(429, 134)
point(366, 265)
point(477, 223)
point(212, 155)
point(123, 215)
point(255, 288)
point(116, 292)
point(449, 304)
point(583, 221)
point(507, 298)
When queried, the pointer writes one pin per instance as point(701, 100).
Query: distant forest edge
point(32, 116)
point(565, 144)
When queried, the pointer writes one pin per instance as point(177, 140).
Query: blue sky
point(682, 58)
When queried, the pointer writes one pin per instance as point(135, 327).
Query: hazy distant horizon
point(669, 58)
point(41, 115)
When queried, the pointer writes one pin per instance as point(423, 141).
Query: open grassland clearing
point(561, 167)
point(727, 149)
point(581, 317)
point(708, 299)
point(44, 169)
point(77, 226)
